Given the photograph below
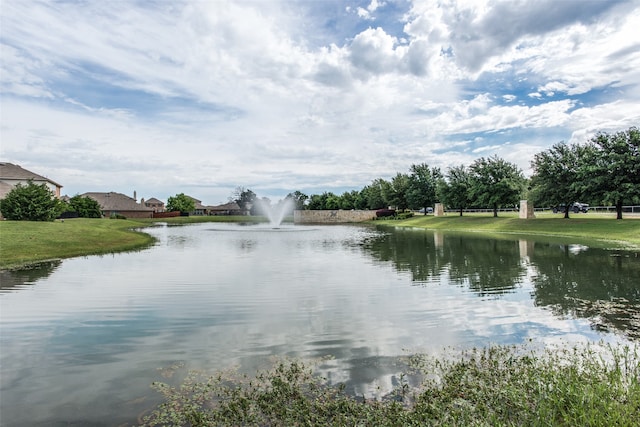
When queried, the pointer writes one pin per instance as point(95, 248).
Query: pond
point(83, 339)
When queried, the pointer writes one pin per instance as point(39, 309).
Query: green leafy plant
point(497, 385)
point(86, 207)
point(31, 202)
point(404, 215)
point(180, 202)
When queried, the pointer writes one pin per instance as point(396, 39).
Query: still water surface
point(82, 339)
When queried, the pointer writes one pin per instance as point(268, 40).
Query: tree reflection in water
point(11, 279)
point(570, 280)
point(485, 266)
point(601, 285)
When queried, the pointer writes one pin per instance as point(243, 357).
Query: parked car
point(426, 210)
point(576, 207)
point(385, 212)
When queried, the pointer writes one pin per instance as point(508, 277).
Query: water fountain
point(275, 213)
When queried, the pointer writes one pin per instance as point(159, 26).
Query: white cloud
point(373, 51)
point(242, 93)
point(364, 13)
point(367, 13)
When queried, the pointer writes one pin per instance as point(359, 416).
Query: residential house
point(153, 203)
point(199, 209)
point(231, 208)
point(4, 189)
point(112, 203)
point(12, 175)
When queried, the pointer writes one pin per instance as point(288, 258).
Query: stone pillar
point(438, 210)
point(438, 239)
point(526, 210)
point(526, 248)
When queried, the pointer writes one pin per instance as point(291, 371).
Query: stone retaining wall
point(331, 216)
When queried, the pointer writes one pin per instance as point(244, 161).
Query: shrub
point(86, 207)
point(404, 215)
point(31, 202)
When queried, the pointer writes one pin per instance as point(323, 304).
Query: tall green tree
point(86, 207)
point(180, 203)
point(332, 201)
point(298, 198)
point(316, 202)
point(612, 168)
point(244, 198)
point(557, 176)
point(348, 200)
point(30, 202)
point(423, 184)
point(361, 200)
point(496, 183)
point(326, 200)
point(455, 189)
point(396, 193)
point(377, 192)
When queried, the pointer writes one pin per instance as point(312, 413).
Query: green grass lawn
point(27, 242)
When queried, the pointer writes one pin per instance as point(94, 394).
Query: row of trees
point(488, 182)
point(605, 170)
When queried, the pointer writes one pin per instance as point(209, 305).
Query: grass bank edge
point(27, 243)
point(597, 231)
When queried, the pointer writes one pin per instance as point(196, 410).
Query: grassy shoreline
point(23, 243)
point(496, 385)
point(598, 230)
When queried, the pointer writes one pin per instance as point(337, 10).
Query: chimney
point(134, 196)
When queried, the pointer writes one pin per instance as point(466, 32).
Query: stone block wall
point(332, 216)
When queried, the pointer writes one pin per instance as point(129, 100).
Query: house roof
point(112, 201)
point(154, 200)
point(10, 171)
point(198, 203)
point(231, 206)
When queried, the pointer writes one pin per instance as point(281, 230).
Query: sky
point(201, 97)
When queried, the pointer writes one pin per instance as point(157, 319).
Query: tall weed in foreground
point(587, 386)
